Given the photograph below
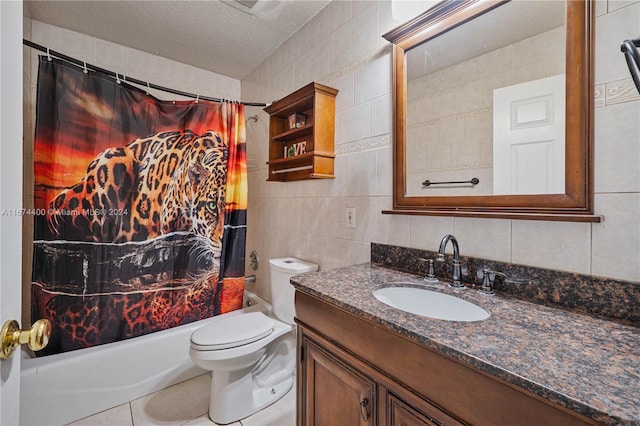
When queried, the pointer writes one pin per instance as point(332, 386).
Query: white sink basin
point(430, 304)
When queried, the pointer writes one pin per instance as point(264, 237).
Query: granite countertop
point(589, 365)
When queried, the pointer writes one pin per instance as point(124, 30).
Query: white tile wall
point(426, 231)
point(611, 30)
point(131, 62)
point(554, 245)
point(616, 161)
point(616, 241)
point(484, 238)
point(360, 69)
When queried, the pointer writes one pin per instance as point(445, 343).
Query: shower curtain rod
point(117, 76)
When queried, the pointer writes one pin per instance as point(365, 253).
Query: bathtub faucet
point(456, 272)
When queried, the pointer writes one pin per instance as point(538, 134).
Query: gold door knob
point(11, 336)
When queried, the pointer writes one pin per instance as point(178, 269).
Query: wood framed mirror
point(493, 110)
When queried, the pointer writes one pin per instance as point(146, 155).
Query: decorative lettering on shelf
point(295, 149)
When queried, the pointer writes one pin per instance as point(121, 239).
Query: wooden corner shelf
point(305, 152)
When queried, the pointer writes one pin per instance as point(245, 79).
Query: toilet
point(251, 355)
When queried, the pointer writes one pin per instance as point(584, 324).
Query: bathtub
point(59, 389)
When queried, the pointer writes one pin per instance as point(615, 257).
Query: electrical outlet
point(351, 217)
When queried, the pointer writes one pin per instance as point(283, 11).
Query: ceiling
point(208, 34)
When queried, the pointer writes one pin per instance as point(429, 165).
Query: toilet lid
point(237, 330)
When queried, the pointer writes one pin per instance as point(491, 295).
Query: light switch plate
point(351, 217)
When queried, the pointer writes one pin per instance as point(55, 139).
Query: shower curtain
point(139, 208)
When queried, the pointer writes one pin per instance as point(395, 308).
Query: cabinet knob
point(364, 409)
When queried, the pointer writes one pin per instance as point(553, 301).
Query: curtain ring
point(148, 89)
point(197, 98)
point(48, 55)
point(117, 79)
point(86, 71)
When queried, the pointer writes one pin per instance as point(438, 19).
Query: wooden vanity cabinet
point(352, 371)
point(337, 388)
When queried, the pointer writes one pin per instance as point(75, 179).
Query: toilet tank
point(282, 290)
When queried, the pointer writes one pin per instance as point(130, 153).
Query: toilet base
point(237, 394)
point(229, 403)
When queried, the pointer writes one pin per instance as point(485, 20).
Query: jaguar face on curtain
point(140, 209)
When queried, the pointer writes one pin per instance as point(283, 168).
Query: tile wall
point(343, 48)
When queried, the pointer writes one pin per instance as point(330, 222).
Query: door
point(10, 196)
point(334, 392)
point(528, 137)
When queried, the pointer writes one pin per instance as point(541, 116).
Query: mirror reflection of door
point(451, 80)
point(528, 137)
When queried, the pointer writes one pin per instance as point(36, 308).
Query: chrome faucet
point(456, 272)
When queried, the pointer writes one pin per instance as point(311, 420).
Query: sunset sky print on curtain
point(141, 208)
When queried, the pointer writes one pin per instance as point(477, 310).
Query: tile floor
point(186, 404)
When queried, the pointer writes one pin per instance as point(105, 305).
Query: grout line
point(131, 413)
point(511, 241)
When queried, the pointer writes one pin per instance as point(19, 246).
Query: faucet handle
point(487, 287)
point(431, 273)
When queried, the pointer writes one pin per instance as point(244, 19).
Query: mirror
point(489, 105)
point(487, 123)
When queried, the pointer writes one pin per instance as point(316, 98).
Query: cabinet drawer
point(418, 414)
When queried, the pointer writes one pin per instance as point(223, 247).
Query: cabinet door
point(417, 412)
point(334, 392)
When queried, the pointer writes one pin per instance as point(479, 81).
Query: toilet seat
point(233, 331)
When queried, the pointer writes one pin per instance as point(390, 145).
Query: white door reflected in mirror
point(528, 137)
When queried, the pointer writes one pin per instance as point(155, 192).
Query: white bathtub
point(58, 389)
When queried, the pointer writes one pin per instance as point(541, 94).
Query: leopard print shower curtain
point(139, 208)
